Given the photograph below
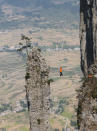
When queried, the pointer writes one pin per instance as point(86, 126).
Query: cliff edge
point(88, 33)
point(87, 105)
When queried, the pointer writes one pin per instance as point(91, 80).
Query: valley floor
point(13, 106)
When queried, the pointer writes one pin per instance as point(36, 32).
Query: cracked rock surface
point(88, 33)
point(87, 105)
point(38, 91)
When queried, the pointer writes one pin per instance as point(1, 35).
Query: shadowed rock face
point(38, 91)
point(88, 33)
point(87, 106)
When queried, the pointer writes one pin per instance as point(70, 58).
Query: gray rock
point(38, 91)
point(87, 105)
point(88, 33)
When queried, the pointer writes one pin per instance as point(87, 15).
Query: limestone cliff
point(38, 91)
point(88, 33)
point(87, 106)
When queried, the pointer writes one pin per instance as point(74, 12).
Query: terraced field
point(12, 73)
point(12, 90)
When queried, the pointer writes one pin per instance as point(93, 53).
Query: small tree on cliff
point(25, 45)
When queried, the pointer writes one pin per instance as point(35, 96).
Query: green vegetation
point(23, 104)
point(39, 49)
point(17, 120)
point(83, 79)
point(38, 121)
point(61, 105)
point(56, 130)
point(52, 120)
point(49, 81)
point(25, 44)
point(61, 122)
point(63, 129)
point(3, 129)
point(24, 128)
point(4, 107)
point(4, 75)
point(94, 94)
point(27, 76)
point(67, 114)
point(73, 123)
point(61, 108)
point(7, 126)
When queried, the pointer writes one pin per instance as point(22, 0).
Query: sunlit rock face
point(88, 33)
point(87, 106)
point(38, 91)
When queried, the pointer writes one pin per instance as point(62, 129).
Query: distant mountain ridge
point(51, 10)
point(46, 3)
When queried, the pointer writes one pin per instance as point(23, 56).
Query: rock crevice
point(88, 33)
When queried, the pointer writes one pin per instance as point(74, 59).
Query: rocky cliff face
point(38, 91)
point(87, 106)
point(88, 33)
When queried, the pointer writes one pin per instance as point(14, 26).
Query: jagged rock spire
point(38, 91)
